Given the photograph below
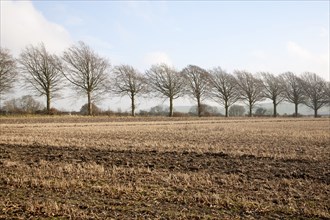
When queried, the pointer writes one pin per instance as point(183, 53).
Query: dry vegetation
point(161, 168)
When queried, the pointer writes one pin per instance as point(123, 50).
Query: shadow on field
point(247, 166)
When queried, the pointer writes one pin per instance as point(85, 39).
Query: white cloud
point(291, 57)
point(157, 58)
point(22, 24)
point(303, 60)
point(66, 14)
point(296, 50)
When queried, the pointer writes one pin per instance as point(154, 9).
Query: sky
point(272, 36)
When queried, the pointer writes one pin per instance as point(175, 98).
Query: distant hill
point(288, 108)
point(282, 108)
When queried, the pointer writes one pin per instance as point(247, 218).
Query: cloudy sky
point(273, 36)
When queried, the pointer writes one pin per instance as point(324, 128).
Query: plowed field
point(160, 168)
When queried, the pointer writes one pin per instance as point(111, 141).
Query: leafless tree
point(223, 88)
point(25, 104)
point(8, 71)
point(84, 109)
point(158, 110)
point(41, 71)
point(327, 93)
point(166, 82)
point(315, 91)
point(236, 110)
point(128, 81)
point(87, 71)
point(206, 110)
point(250, 88)
point(273, 89)
point(293, 90)
point(198, 84)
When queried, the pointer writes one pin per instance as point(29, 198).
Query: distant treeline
point(91, 75)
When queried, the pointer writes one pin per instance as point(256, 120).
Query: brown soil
point(247, 166)
point(175, 201)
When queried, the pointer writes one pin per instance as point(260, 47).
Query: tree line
point(91, 75)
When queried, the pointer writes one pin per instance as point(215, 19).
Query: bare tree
point(236, 110)
point(158, 110)
point(87, 71)
point(273, 89)
point(42, 72)
point(197, 84)
point(260, 111)
point(8, 72)
point(128, 81)
point(25, 104)
point(166, 82)
point(293, 90)
point(84, 109)
point(223, 88)
point(327, 93)
point(206, 110)
point(314, 87)
point(250, 88)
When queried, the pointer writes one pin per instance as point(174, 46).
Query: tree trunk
point(133, 105)
point(48, 103)
point(250, 110)
point(315, 108)
point(275, 112)
point(226, 109)
point(199, 107)
point(296, 109)
point(171, 107)
point(90, 110)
